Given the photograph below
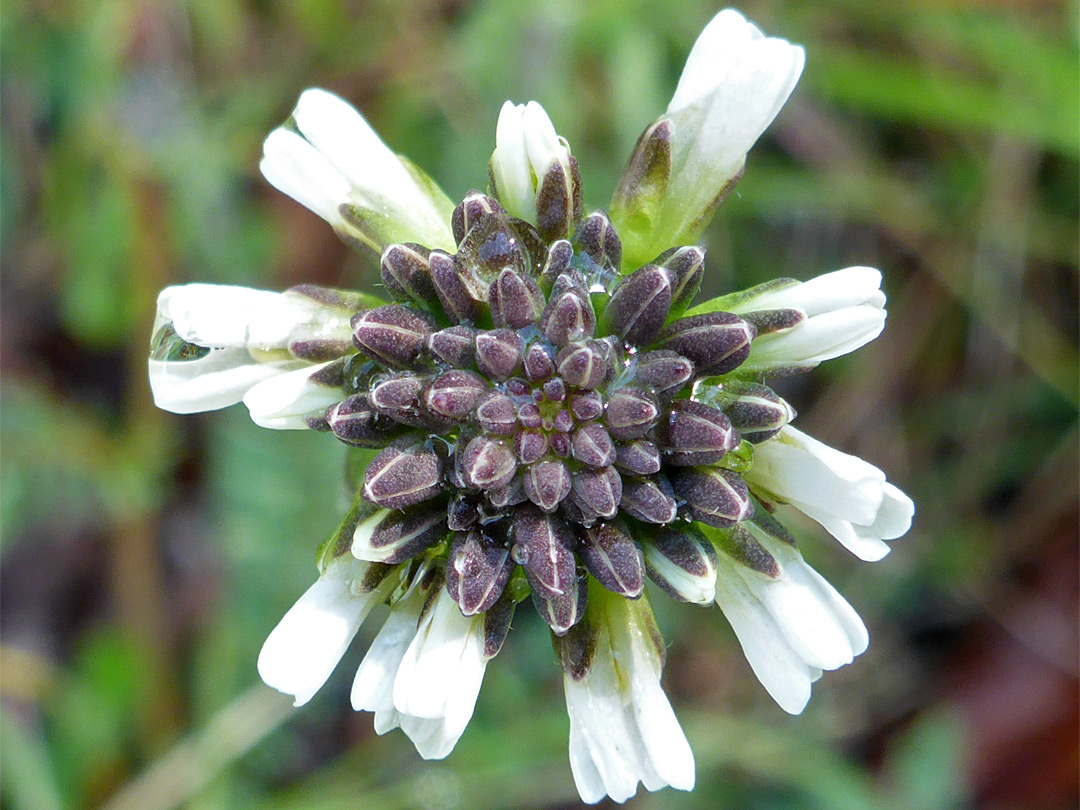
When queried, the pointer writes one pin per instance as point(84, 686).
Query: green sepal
point(733, 301)
point(637, 205)
point(339, 543)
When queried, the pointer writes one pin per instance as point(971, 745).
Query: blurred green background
point(146, 556)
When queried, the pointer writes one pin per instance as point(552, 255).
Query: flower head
point(553, 419)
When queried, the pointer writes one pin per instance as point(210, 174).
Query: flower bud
point(532, 244)
point(515, 300)
point(477, 570)
point(612, 556)
point(560, 444)
point(510, 495)
point(498, 353)
point(470, 210)
point(528, 414)
point(555, 390)
point(558, 200)
point(586, 405)
point(544, 547)
point(454, 394)
point(716, 342)
point(463, 513)
point(596, 237)
point(398, 396)
point(406, 274)
point(455, 346)
point(402, 476)
point(639, 305)
point(539, 362)
point(530, 445)
point(459, 304)
point(687, 266)
point(496, 413)
point(754, 409)
point(630, 413)
point(393, 333)
point(489, 247)
point(665, 372)
point(487, 463)
point(585, 364)
point(592, 446)
point(568, 315)
point(547, 483)
point(640, 457)
point(398, 536)
point(683, 565)
point(559, 255)
point(355, 421)
point(598, 491)
point(651, 500)
point(695, 433)
point(563, 612)
point(715, 496)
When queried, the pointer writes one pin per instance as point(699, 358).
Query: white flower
point(335, 164)
point(846, 495)
point(281, 402)
point(733, 85)
point(302, 651)
point(526, 149)
point(423, 672)
point(622, 728)
point(216, 344)
point(791, 627)
point(844, 310)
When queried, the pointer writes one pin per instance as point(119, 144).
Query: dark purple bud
point(402, 535)
point(555, 390)
point(496, 413)
point(473, 208)
point(488, 463)
point(515, 300)
point(585, 364)
point(498, 353)
point(547, 483)
point(596, 237)
point(614, 558)
point(774, 320)
point(695, 433)
point(715, 496)
point(560, 444)
point(665, 372)
point(510, 495)
point(533, 246)
point(741, 546)
point(393, 333)
point(756, 411)
point(489, 247)
point(539, 362)
point(402, 476)
point(406, 275)
point(687, 266)
point(517, 387)
point(683, 564)
point(563, 612)
point(458, 302)
point(497, 620)
point(649, 499)
point(598, 491)
point(639, 305)
point(477, 570)
point(716, 342)
point(558, 201)
point(462, 513)
point(530, 445)
point(568, 315)
point(454, 394)
point(630, 413)
point(455, 346)
point(562, 421)
point(586, 405)
point(592, 446)
point(544, 547)
point(528, 414)
point(356, 422)
point(398, 396)
point(558, 262)
point(641, 457)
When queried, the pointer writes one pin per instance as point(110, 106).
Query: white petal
point(840, 289)
point(373, 686)
point(510, 162)
point(281, 402)
point(696, 590)
point(293, 166)
point(541, 141)
point(218, 380)
point(361, 544)
point(302, 651)
point(668, 751)
point(823, 337)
